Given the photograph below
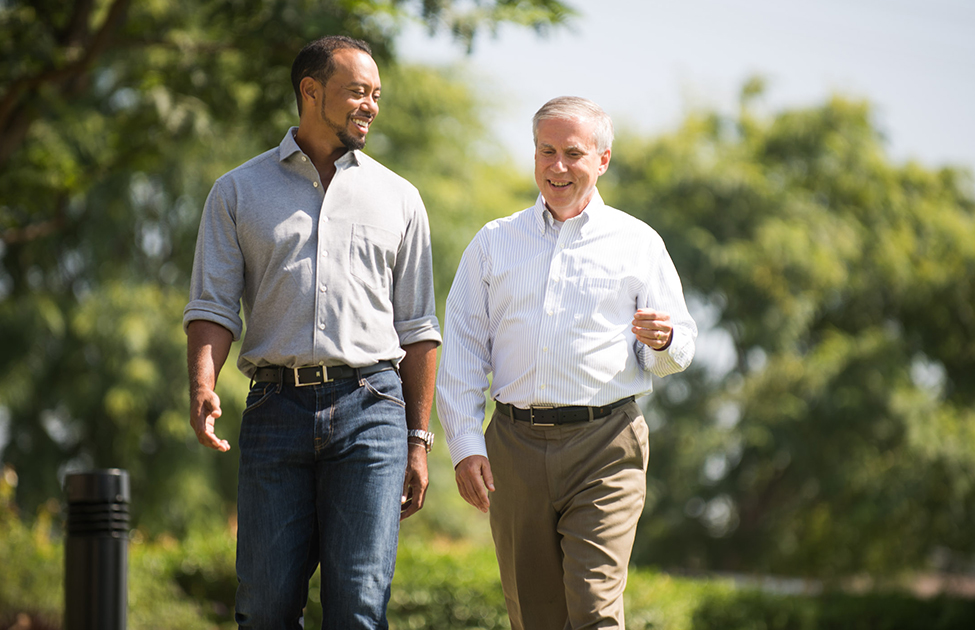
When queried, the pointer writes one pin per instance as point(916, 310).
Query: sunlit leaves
point(845, 285)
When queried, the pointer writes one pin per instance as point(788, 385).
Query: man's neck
point(321, 153)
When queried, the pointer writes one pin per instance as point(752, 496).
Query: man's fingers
point(488, 479)
point(474, 480)
point(203, 423)
point(476, 496)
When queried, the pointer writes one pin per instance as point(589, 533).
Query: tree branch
point(15, 119)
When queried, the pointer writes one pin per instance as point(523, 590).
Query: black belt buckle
point(531, 415)
point(320, 376)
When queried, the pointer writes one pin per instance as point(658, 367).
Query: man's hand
point(207, 347)
point(474, 480)
point(653, 328)
point(415, 484)
point(204, 411)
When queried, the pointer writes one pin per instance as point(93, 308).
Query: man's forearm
point(207, 347)
point(418, 369)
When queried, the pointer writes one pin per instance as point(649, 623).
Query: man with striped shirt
point(572, 305)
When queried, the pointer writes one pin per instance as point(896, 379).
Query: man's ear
point(310, 89)
point(604, 160)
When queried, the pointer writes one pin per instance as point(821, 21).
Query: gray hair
point(576, 108)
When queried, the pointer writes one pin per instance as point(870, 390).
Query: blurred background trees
point(115, 119)
point(826, 428)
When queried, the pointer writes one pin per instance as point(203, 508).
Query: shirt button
point(322, 326)
point(315, 184)
point(324, 254)
point(304, 159)
point(324, 288)
point(541, 387)
point(550, 313)
point(545, 349)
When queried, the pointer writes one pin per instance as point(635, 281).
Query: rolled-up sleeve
point(414, 304)
point(218, 265)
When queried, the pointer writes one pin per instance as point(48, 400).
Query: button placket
point(544, 372)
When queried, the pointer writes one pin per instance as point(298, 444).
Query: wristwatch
point(426, 436)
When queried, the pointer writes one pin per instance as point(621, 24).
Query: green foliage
point(32, 573)
point(32, 558)
point(439, 584)
point(842, 290)
point(108, 147)
point(826, 428)
point(759, 611)
point(447, 587)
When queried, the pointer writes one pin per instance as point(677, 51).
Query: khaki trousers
point(564, 516)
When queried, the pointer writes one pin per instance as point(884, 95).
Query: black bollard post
point(96, 550)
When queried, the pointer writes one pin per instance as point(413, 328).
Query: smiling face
point(349, 100)
point(567, 164)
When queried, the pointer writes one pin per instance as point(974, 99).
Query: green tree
point(827, 426)
point(115, 119)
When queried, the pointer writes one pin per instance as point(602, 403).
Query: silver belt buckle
point(531, 415)
point(321, 373)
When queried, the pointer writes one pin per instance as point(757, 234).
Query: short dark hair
point(315, 60)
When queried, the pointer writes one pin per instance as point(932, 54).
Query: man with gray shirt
point(329, 254)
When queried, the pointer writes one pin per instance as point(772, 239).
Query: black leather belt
point(316, 374)
point(552, 416)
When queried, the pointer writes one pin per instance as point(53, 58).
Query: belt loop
point(510, 408)
point(280, 382)
point(589, 409)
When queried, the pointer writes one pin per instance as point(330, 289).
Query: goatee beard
point(351, 142)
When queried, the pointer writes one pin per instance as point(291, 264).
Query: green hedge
point(750, 610)
point(439, 585)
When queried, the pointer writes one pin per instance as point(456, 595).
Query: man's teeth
point(361, 124)
point(559, 184)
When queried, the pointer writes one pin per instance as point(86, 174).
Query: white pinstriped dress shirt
point(547, 308)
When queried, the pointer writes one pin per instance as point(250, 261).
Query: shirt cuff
point(415, 330)
point(197, 310)
point(463, 446)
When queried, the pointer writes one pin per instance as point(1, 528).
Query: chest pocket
point(373, 255)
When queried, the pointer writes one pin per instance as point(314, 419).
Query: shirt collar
point(289, 147)
point(592, 209)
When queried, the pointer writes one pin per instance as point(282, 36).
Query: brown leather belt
point(316, 374)
point(541, 416)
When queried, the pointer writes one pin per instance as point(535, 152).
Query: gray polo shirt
point(325, 277)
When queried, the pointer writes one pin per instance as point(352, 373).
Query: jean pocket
point(385, 385)
point(258, 395)
point(373, 255)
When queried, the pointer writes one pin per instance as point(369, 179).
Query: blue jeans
point(321, 475)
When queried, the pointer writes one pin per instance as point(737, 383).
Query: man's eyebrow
point(574, 147)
